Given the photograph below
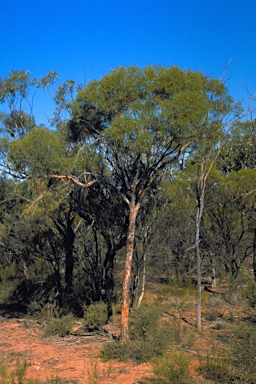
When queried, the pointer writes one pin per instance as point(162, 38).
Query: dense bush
point(250, 292)
point(144, 321)
point(216, 366)
point(95, 315)
point(60, 327)
point(243, 349)
point(172, 369)
point(148, 338)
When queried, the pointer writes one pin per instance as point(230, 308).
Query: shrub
point(8, 282)
point(17, 376)
point(148, 337)
point(212, 315)
point(96, 315)
point(189, 339)
point(138, 351)
point(243, 349)
point(119, 351)
point(97, 374)
point(172, 369)
point(216, 366)
point(144, 321)
point(220, 324)
point(250, 293)
point(60, 327)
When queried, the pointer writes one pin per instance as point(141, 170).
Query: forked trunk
point(127, 272)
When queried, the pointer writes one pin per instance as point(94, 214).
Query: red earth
point(73, 358)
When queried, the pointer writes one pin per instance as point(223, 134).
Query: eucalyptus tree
point(176, 227)
point(141, 121)
point(227, 224)
point(239, 154)
point(17, 96)
point(103, 215)
point(43, 157)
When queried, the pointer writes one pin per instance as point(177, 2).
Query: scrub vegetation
point(136, 203)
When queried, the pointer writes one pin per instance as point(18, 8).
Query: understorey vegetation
point(145, 177)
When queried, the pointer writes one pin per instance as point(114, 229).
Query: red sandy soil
point(75, 359)
point(72, 358)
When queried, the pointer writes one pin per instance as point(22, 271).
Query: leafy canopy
point(139, 108)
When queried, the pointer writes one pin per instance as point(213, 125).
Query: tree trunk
point(108, 266)
point(213, 277)
point(69, 262)
point(198, 260)
point(108, 280)
point(128, 269)
point(143, 282)
point(254, 255)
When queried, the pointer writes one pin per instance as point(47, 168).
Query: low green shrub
point(60, 327)
point(144, 321)
point(216, 366)
point(243, 349)
point(9, 281)
point(250, 292)
point(220, 324)
point(189, 339)
point(138, 351)
point(117, 350)
point(96, 315)
point(18, 376)
point(212, 315)
point(172, 369)
point(97, 374)
point(148, 338)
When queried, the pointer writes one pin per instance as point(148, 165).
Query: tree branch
point(75, 180)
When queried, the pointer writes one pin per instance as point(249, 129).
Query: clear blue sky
point(85, 39)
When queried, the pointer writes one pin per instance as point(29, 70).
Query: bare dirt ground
point(75, 359)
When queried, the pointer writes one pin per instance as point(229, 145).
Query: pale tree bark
point(134, 204)
point(143, 282)
point(213, 277)
point(205, 169)
point(134, 208)
point(198, 260)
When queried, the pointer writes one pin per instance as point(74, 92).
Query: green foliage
point(9, 281)
point(138, 351)
point(15, 93)
point(216, 366)
point(38, 153)
point(249, 292)
point(95, 315)
point(48, 312)
point(18, 376)
point(97, 374)
point(149, 338)
point(140, 108)
point(144, 321)
point(172, 369)
point(243, 349)
point(212, 315)
point(60, 327)
point(239, 152)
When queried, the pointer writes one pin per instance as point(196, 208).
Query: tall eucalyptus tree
point(142, 121)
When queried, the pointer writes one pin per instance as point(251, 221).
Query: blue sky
point(85, 39)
